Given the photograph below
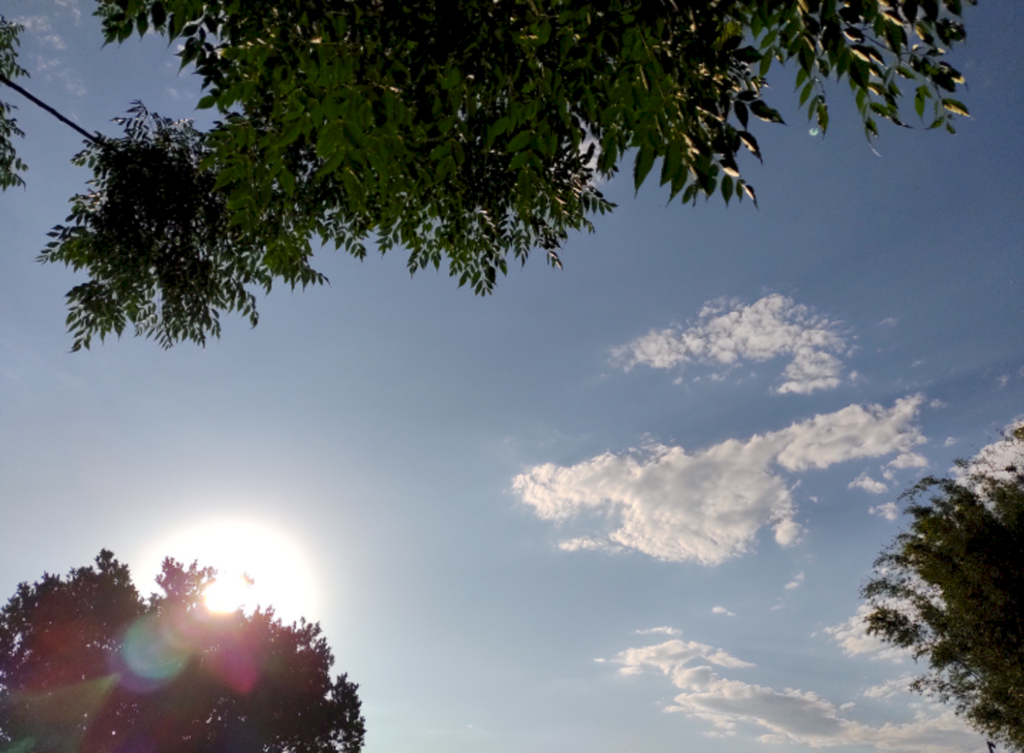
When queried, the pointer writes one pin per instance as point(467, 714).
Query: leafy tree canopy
point(951, 589)
point(89, 666)
point(464, 133)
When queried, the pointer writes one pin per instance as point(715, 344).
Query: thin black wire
point(95, 138)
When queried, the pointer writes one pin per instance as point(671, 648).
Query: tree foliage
point(10, 164)
point(154, 235)
point(89, 666)
point(470, 133)
point(951, 589)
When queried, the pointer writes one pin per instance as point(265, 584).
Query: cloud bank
point(728, 332)
point(708, 506)
point(781, 716)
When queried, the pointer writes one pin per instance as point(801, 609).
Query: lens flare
point(151, 654)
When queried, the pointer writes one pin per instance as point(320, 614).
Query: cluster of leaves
point(10, 163)
point(467, 134)
point(476, 134)
point(61, 642)
point(951, 589)
point(154, 235)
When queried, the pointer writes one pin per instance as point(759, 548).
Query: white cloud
point(852, 637)
point(868, 484)
point(888, 322)
point(70, 5)
point(727, 332)
point(889, 511)
point(908, 460)
point(71, 80)
point(582, 543)
point(795, 583)
point(890, 688)
point(671, 657)
point(38, 24)
point(781, 716)
point(1003, 380)
point(993, 459)
point(658, 631)
point(708, 506)
point(937, 404)
point(54, 41)
point(722, 610)
point(950, 441)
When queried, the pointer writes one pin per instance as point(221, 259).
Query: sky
point(627, 505)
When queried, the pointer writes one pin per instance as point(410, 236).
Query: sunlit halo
point(279, 570)
point(227, 593)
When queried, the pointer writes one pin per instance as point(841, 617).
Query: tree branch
point(95, 138)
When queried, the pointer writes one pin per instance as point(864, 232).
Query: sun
point(257, 564)
point(228, 593)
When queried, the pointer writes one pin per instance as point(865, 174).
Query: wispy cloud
point(658, 631)
point(780, 716)
point(38, 24)
point(728, 332)
point(797, 581)
point(890, 688)
point(708, 506)
point(54, 40)
point(722, 610)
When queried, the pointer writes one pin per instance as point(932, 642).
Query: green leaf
point(750, 192)
point(642, 165)
point(287, 180)
point(159, 14)
point(955, 107)
point(751, 143)
point(919, 98)
point(520, 141)
point(672, 163)
point(764, 112)
point(519, 160)
point(741, 113)
point(806, 93)
point(747, 54)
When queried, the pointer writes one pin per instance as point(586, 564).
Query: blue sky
point(623, 506)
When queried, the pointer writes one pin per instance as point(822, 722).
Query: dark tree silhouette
point(951, 589)
point(89, 666)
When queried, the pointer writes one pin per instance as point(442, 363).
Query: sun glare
point(257, 564)
point(227, 593)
